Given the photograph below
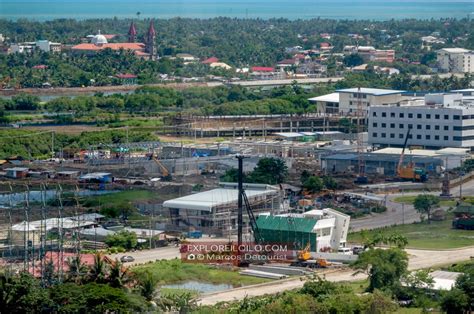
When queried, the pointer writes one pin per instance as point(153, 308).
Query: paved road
point(417, 259)
point(396, 214)
point(273, 287)
point(401, 213)
point(287, 81)
point(142, 257)
point(429, 258)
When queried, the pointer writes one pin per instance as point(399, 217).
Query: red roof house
point(40, 67)
point(262, 69)
point(210, 60)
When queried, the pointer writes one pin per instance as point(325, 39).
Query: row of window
point(359, 95)
point(419, 116)
point(418, 126)
point(464, 128)
point(420, 137)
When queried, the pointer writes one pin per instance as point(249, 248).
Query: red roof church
point(145, 50)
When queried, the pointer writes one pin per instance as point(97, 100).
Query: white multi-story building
point(350, 98)
point(43, 45)
point(456, 60)
point(346, 101)
point(440, 120)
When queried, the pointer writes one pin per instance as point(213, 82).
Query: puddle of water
point(201, 287)
point(35, 196)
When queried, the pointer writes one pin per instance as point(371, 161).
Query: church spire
point(151, 30)
point(132, 33)
point(151, 41)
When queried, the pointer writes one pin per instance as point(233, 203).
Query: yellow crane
point(305, 254)
point(166, 176)
point(409, 172)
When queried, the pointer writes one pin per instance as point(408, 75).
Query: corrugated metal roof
point(205, 201)
point(333, 97)
point(371, 91)
point(293, 224)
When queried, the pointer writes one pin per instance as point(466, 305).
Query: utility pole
point(361, 178)
point(52, 144)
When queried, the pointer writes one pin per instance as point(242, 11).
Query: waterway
point(200, 287)
point(42, 10)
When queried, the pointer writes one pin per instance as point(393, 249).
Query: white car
point(344, 250)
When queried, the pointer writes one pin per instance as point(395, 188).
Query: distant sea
point(41, 10)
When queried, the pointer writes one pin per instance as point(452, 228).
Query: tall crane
point(409, 172)
point(244, 201)
point(361, 178)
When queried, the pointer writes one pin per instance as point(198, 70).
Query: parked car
point(345, 251)
point(127, 259)
point(357, 250)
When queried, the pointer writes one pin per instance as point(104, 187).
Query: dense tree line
point(221, 100)
point(30, 144)
point(226, 100)
point(106, 286)
point(238, 42)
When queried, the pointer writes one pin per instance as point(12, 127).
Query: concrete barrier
point(334, 257)
point(284, 270)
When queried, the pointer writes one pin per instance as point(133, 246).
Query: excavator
point(410, 172)
point(304, 259)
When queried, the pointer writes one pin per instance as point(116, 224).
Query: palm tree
point(77, 269)
point(119, 274)
point(98, 271)
point(138, 14)
point(398, 240)
point(147, 284)
point(6, 293)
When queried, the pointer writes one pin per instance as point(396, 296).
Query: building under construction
point(215, 211)
point(256, 125)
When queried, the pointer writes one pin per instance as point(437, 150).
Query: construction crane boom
point(402, 155)
point(164, 170)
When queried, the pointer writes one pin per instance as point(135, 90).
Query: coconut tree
point(77, 270)
point(147, 284)
point(119, 275)
point(98, 271)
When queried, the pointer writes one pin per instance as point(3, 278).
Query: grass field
point(410, 199)
point(123, 197)
point(357, 286)
point(175, 271)
point(437, 235)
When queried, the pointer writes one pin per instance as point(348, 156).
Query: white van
point(344, 250)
